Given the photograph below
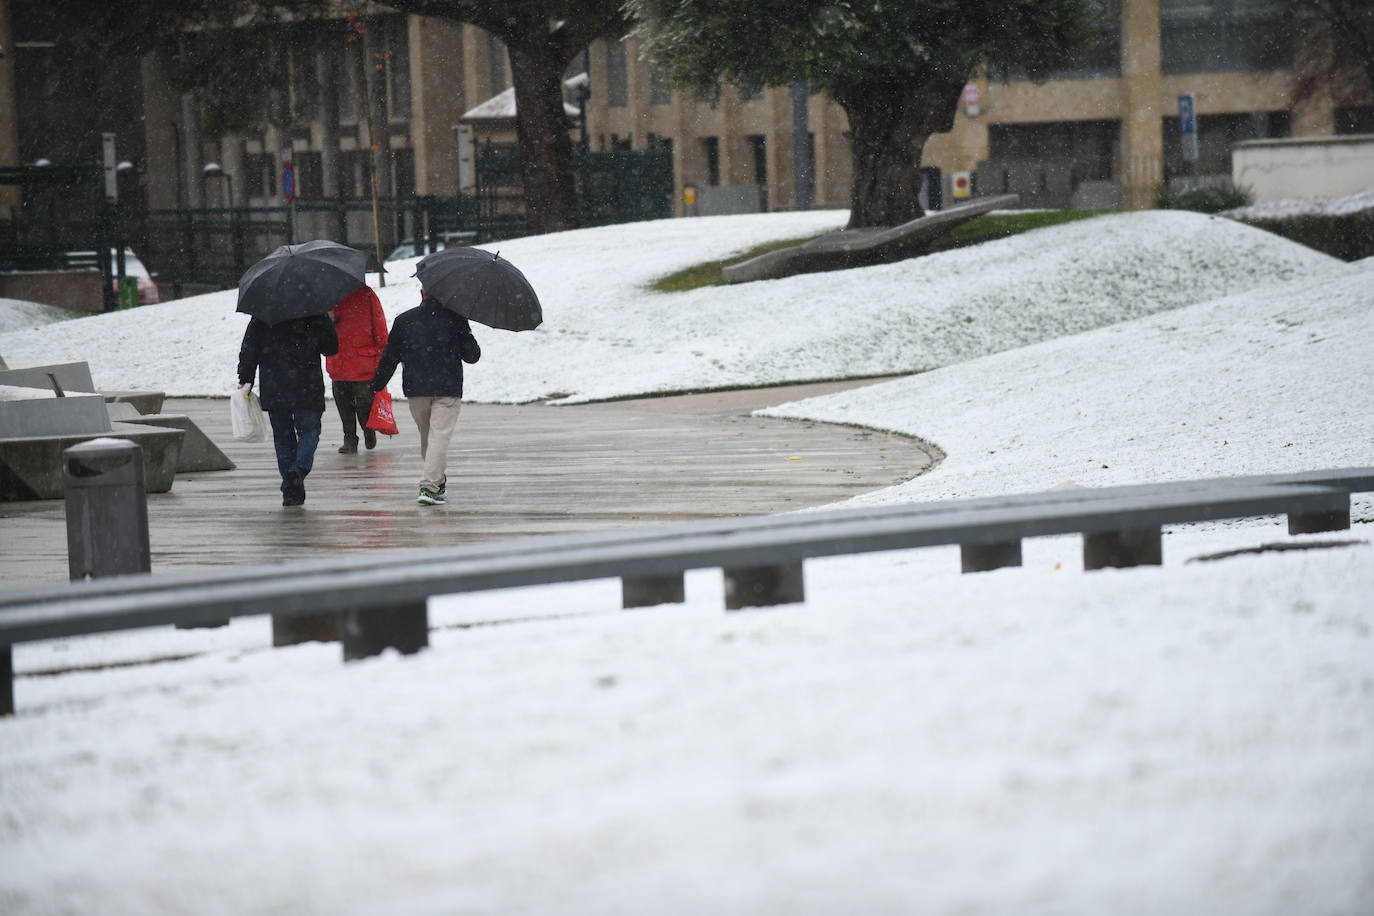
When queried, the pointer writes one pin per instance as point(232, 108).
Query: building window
point(345, 63)
point(259, 175)
point(617, 75)
point(496, 63)
point(1103, 56)
point(1355, 120)
point(309, 175)
point(660, 93)
point(710, 150)
point(305, 86)
point(398, 67)
point(403, 172)
point(1209, 36)
point(1085, 149)
point(1215, 135)
point(758, 152)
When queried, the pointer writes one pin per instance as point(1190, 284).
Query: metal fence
point(196, 250)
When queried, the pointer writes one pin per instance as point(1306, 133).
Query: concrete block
point(52, 416)
point(71, 376)
point(862, 247)
point(647, 591)
point(145, 402)
point(198, 452)
point(31, 466)
point(763, 586)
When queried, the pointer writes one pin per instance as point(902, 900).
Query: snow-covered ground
point(1196, 737)
point(1306, 206)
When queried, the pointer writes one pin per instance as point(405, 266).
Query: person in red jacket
point(361, 325)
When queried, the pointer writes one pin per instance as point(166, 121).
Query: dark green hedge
point(1349, 237)
point(1208, 199)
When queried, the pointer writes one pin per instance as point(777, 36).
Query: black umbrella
point(297, 281)
point(481, 286)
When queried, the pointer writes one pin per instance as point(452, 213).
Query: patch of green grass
point(709, 272)
point(983, 228)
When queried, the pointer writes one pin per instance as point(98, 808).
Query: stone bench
point(862, 247)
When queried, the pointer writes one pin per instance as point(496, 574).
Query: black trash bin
point(107, 509)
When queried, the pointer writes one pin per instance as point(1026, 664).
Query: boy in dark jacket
point(288, 355)
point(432, 342)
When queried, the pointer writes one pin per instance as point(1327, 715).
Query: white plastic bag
point(246, 416)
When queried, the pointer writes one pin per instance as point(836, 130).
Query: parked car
point(148, 292)
point(411, 249)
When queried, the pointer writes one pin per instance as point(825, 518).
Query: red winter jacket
point(362, 334)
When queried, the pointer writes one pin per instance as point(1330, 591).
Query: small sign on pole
point(961, 184)
point(288, 190)
point(972, 102)
point(107, 142)
point(1187, 126)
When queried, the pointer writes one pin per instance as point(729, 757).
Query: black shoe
point(369, 439)
point(294, 494)
point(349, 447)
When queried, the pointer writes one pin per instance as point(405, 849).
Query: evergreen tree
point(542, 37)
point(896, 67)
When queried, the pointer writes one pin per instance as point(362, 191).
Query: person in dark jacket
point(361, 326)
point(432, 342)
point(287, 355)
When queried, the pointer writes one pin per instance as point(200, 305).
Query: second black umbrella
point(481, 286)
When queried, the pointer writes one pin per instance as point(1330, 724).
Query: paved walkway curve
point(513, 471)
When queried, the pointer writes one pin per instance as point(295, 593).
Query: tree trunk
point(546, 151)
point(889, 124)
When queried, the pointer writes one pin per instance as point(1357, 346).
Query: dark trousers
point(354, 402)
point(295, 435)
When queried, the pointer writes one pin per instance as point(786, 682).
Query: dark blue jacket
point(432, 342)
point(287, 357)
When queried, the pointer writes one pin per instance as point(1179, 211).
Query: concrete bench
point(198, 451)
point(375, 601)
point(862, 247)
point(75, 378)
point(36, 426)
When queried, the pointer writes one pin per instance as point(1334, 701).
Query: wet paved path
point(513, 471)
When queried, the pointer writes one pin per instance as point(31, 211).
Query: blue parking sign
point(1187, 126)
point(288, 182)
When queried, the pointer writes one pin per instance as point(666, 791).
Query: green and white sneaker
point(428, 497)
point(443, 489)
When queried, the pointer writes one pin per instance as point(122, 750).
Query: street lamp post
point(213, 170)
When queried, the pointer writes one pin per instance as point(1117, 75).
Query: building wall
point(1141, 101)
point(1307, 167)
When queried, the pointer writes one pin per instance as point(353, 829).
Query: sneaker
point(428, 497)
point(443, 488)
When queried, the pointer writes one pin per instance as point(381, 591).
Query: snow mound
point(1306, 206)
point(606, 335)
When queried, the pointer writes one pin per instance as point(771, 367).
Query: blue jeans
point(296, 434)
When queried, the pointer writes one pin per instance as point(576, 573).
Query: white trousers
point(435, 419)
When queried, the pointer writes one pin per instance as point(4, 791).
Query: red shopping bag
point(382, 419)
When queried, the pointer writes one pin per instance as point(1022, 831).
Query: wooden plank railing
point(376, 601)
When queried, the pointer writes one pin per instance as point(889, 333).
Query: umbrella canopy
point(297, 281)
point(482, 287)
